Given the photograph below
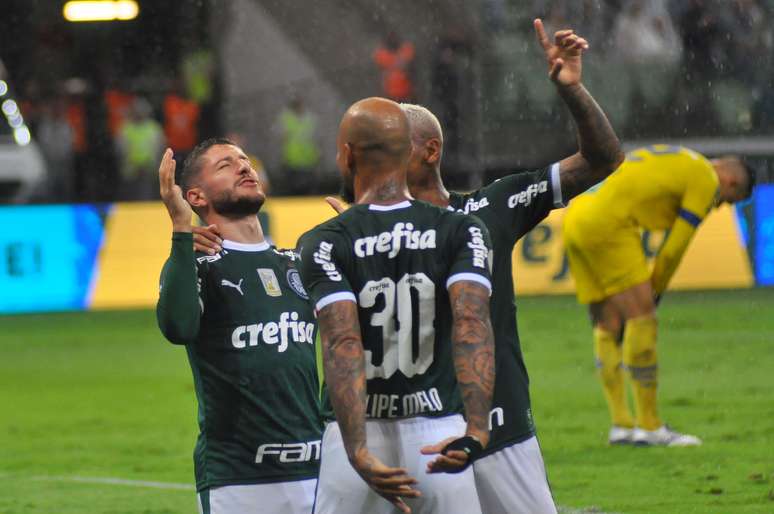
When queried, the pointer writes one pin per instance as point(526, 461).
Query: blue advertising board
point(764, 234)
point(47, 256)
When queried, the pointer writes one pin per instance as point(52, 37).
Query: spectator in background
point(140, 145)
point(395, 59)
point(300, 151)
point(181, 123)
point(703, 59)
point(76, 118)
point(451, 59)
point(649, 47)
point(752, 41)
point(199, 79)
point(56, 139)
point(118, 103)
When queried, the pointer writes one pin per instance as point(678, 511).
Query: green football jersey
point(396, 262)
point(249, 331)
point(510, 207)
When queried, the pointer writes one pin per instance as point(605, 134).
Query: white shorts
point(275, 498)
point(513, 481)
point(396, 443)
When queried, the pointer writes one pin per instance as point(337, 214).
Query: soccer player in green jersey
point(401, 289)
point(510, 475)
point(249, 331)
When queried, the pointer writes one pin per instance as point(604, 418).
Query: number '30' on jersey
point(396, 262)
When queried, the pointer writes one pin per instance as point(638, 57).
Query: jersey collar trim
point(556, 186)
point(393, 207)
point(245, 247)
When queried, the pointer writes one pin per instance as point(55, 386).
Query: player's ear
point(349, 157)
point(432, 150)
point(196, 197)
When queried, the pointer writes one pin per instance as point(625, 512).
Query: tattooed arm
point(344, 365)
point(473, 353)
point(473, 350)
point(600, 151)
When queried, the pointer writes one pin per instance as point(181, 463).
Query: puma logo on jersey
point(403, 235)
point(525, 197)
point(289, 329)
point(238, 286)
point(323, 257)
point(477, 244)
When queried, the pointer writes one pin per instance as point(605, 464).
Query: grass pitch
point(90, 402)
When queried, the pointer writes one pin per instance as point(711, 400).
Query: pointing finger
point(540, 32)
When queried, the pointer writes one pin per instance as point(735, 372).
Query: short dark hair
point(752, 176)
point(192, 164)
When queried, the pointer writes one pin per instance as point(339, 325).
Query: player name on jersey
point(403, 405)
point(288, 329)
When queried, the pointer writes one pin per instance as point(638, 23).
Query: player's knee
point(640, 342)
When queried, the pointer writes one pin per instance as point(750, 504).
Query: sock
point(639, 355)
point(609, 369)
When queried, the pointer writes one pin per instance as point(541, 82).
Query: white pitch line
point(119, 481)
point(588, 510)
point(189, 487)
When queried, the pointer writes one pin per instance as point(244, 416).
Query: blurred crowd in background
point(660, 68)
point(703, 65)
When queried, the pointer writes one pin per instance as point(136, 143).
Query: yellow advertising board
point(716, 257)
point(137, 241)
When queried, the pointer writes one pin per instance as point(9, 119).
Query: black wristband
point(470, 445)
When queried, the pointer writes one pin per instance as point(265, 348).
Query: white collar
point(245, 247)
point(393, 207)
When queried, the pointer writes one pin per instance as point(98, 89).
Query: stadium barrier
point(80, 257)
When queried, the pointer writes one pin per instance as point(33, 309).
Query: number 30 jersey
point(396, 262)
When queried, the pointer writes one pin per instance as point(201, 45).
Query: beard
point(228, 204)
point(347, 191)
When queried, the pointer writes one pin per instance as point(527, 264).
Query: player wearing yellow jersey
point(661, 187)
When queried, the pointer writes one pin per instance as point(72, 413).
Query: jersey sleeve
point(321, 268)
point(180, 304)
point(522, 200)
point(470, 254)
point(697, 201)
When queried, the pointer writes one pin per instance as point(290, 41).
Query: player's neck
point(431, 190)
point(381, 188)
point(246, 229)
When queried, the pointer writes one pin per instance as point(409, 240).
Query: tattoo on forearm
point(600, 150)
point(473, 350)
point(344, 364)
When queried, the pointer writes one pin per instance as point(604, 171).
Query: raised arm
point(179, 308)
point(599, 148)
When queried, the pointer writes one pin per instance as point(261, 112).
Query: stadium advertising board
point(764, 234)
point(109, 256)
point(716, 258)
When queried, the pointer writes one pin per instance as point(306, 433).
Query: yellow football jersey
point(658, 187)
